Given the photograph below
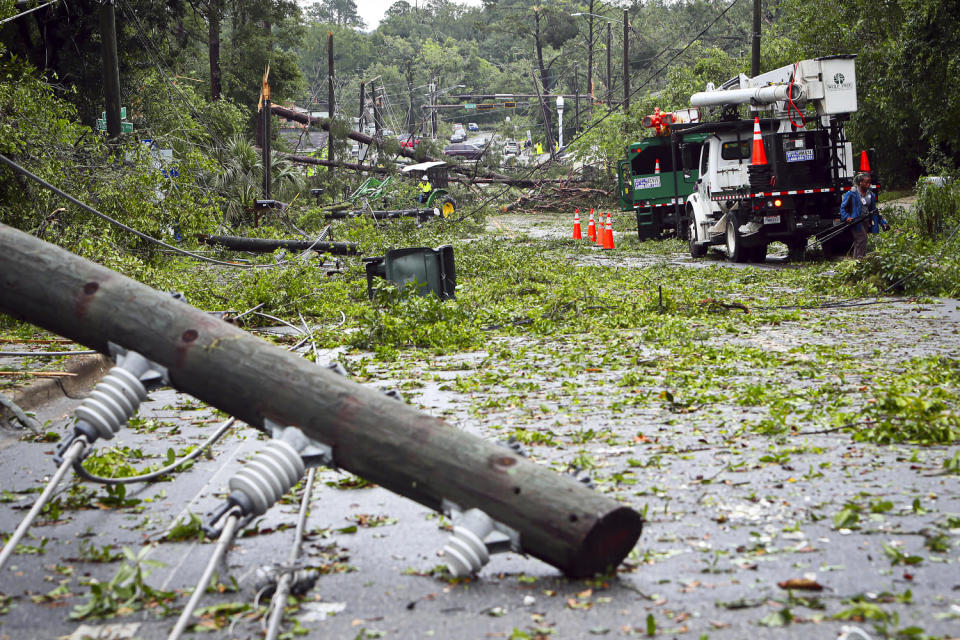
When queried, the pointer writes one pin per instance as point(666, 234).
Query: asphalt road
point(729, 520)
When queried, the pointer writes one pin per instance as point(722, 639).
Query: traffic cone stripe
point(608, 234)
point(759, 154)
point(656, 167)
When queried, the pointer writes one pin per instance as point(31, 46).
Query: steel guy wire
point(76, 449)
point(610, 111)
point(6, 20)
point(223, 543)
point(13, 165)
point(279, 600)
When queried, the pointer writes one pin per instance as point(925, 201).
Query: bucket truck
point(745, 202)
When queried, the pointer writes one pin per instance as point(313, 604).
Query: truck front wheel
point(736, 252)
point(697, 250)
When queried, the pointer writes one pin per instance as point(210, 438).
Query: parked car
point(473, 126)
point(463, 150)
point(512, 147)
point(408, 140)
point(459, 135)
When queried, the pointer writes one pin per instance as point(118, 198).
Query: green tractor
point(439, 197)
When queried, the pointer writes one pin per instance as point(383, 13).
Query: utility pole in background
point(433, 101)
point(265, 145)
point(411, 118)
point(755, 58)
point(546, 114)
point(330, 104)
point(111, 67)
point(626, 61)
point(363, 106)
point(589, 64)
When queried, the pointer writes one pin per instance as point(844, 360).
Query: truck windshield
point(645, 162)
point(736, 150)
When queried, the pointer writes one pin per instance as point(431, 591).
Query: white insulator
point(112, 402)
point(268, 475)
point(466, 552)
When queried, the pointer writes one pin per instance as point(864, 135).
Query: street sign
point(123, 114)
point(486, 107)
point(509, 105)
point(469, 105)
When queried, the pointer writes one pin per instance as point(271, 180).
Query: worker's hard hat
point(423, 177)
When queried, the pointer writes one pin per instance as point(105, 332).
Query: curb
point(88, 369)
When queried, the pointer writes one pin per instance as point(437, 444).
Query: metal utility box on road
point(432, 269)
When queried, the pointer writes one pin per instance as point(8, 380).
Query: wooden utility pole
point(547, 126)
point(266, 245)
point(589, 64)
point(377, 115)
point(410, 116)
point(626, 61)
point(380, 439)
point(331, 107)
point(433, 102)
point(111, 67)
point(363, 105)
point(755, 57)
point(265, 115)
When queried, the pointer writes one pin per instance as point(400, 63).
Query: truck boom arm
point(829, 83)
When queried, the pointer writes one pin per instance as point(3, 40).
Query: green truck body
point(657, 197)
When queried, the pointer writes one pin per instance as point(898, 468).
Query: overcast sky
point(372, 10)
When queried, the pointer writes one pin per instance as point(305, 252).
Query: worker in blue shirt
point(858, 202)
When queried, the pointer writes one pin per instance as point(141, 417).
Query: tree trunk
point(214, 16)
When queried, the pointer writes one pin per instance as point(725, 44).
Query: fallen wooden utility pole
point(557, 519)
point(264, 245)
point(357, 136)
point(384, 215)
point(300, 159)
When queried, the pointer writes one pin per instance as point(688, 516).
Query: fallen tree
point(551, 197)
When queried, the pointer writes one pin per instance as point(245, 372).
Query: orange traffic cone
point(656, 167)
point(864, 162)
point(577, 235)
point(759, 154)
point(608, 235)
point(601, 231)
point(591, 228)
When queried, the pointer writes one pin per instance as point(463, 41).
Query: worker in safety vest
point(425, 188)
point(539, 149)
